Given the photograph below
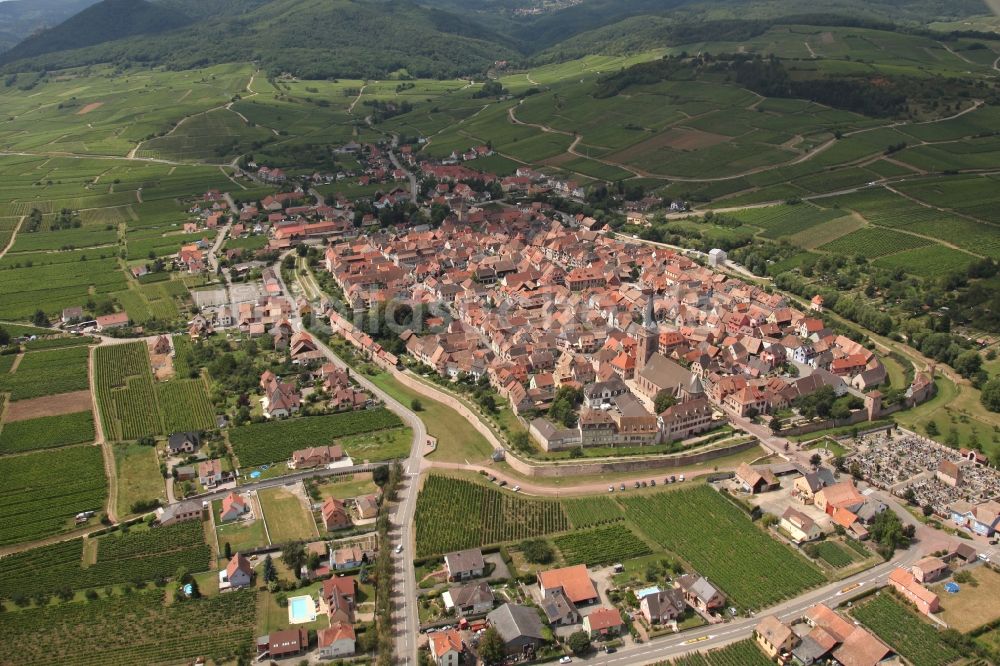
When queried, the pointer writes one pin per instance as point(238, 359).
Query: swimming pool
point(301, 609)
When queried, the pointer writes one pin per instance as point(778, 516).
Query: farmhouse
point(800, 527)
point(833, 636)
point(929, 569)
point(754, 480)
point(904, 582)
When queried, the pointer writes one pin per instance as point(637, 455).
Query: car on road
point(611, 489)
point(565, 660)
point(502, 483)
point(652, 482)
point(636, 484)
point(622, 487)
point(517, 489)
point(680, 478)
point(610, 649)
point(399, 548)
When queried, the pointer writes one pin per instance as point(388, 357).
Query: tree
point(227, 551)
point(491, 647)
point(815, 459)
point(991, 395)
point(294, 556)
point(932, 429)
point(380, 475)
point(664, 400)
point(40, 319)
point(4, 337)
point(537, 551)
point(579, 642)
point(416, 405)
point(270, 574)
point(887, 531)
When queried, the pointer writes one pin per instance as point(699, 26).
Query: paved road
point(409, 174)
point(722, 634)
point(405, 613)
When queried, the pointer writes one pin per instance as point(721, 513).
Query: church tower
point(649, 334)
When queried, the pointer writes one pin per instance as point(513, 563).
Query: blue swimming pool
point(301, 609)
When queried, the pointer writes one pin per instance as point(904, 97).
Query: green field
point(718, 541)
point(904, 631)
point(124, 385)
point(138, 628)
point(286, 516)
point(46, 432)
point(41, 492)
point(261, 443)
point(139, 478)
point(603, 545)
point(49, 372)
point(454, 514)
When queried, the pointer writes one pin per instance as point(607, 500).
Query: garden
point(603, 545)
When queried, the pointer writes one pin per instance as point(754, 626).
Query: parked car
point(502, 483)
point(622, 487)
point(680, 478)
point(643, 484)
point(610, 649)
point(399, 548)
point(652, 482)
point(611, 489)
point(517, 489)
point(636, 484)
point(565, 660)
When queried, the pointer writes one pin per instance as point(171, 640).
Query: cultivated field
point(41, 492)
point(49, 372)
point(453, 514)
point(47, 432)
point(603, 545)
point(261, 443)
point(718, 541)
point(124, 385)
point(904, 631)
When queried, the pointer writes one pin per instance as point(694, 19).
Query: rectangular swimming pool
point(301, 609)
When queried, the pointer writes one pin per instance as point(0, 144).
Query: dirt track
point(50, 405)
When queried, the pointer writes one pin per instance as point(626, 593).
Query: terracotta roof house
point(574, 581)
point(115, 320)
point(336, 641)
point(233, 506)
point(861, 649)
point(446, 647)
point(904, 582)
point(334, 514)
point(603, 622)
point(465, 564)
point(315, 456)
point(841, 495)
point(345, 586)
point(238, 573)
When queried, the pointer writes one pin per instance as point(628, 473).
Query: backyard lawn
point(286, 515)
point(139, 476)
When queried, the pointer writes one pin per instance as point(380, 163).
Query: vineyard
point(906, 633)
point(185, 405)
point(48, 373)
point(453, 514)
point(261, 443)
point(121, 558)
point(47, 432)
point(41, 492)
point(719, 541)
point(124, 384)
point(833, 553)
point(785, 220)
point(744, 653)
point(592, 511)
point(873, 242)
point(134, 629)
point(601, 546)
